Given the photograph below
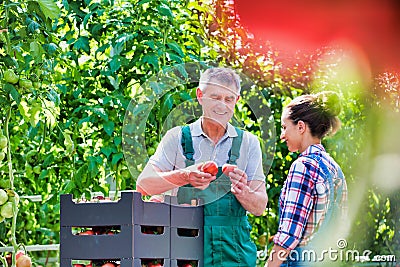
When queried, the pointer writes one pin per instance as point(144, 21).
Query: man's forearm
point(152, 181)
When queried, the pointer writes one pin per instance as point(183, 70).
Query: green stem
point(3, 261)
point(9, 162)
point(11, 176)
point(8, 43)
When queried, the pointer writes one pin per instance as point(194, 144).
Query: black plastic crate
point(129, 210)
point(178, 237)
point(130, 214)
point(88, 247)
point(187, 232)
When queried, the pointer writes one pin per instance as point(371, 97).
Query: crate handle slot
point(96, 230)
point(152, 230)
point(188, 232)
point(187, 263)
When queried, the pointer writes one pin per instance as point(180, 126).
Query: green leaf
point(166, 105)
point(117, 140)
point(174, 46)
point(97, 28)
point(24, 110)
point(65, 4)
point(82, 43)
point(13, 92)
point(80, 175)
point(101, 113)
point(48, 160)
point(115, 64)
point(33, 26)
point(86, 119)
point(50, 48)
point(3, 101)
point(152, 59)
point(107, 150)
point(49, 8)
point(185, 96)
point(34, 113)
point(164, 10)
point(68, 143)
point(174, 57)
point(35, 49)
point(92, 168)
point(108, 127)
point(117, 157)
point(43, 174)
point(53, 97)
point(69, 186)
point(114, 82)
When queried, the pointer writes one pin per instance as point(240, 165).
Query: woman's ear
point(301, 126)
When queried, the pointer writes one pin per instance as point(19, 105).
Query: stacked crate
point(179, 238)
point(186, 234)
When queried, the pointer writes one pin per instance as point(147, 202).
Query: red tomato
point(108, 264)
point(24, 261)
point(210, 167)
point(152, 264)
point(187, 265)
point(78, 265)
point(227, 168)
point(88, 232)
point(19, 254)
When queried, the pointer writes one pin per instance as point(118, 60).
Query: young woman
point(314, 193)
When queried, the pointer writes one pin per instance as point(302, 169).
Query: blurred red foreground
point(372, 26)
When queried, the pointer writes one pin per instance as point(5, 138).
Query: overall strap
point(187, 145)
point(334, 197)
point(188, 151)
point(234, 153)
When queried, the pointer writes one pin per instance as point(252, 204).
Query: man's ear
point(199, 95)
point(237, 98)
point(301, 126)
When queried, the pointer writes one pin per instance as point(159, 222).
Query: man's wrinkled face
point(218, 102)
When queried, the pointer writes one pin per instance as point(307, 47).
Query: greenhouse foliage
point(69, 70)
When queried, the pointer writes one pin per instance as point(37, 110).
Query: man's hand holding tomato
point(202, 174)
point(238, 179)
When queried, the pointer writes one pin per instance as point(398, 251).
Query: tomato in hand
point(227, 168)
point(210, 167)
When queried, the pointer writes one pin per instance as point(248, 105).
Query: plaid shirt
point(304, 198)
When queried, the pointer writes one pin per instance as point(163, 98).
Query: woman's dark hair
point(320, 111)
